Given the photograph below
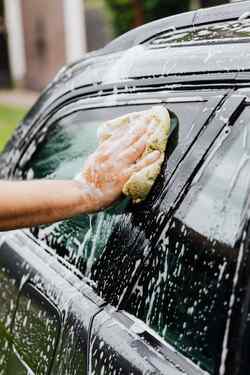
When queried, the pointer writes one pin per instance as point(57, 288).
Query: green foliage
point(9, 119)
point(155, 9)
point(123, 15)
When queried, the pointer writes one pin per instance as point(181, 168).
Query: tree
point(138, 12)
point(210, 3)
point(131, 13)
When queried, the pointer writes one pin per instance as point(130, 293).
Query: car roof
point(155, 59)
point(194, 18)
point(139, 59)
point(213, 40)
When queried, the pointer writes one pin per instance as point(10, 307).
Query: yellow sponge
point(140, 183)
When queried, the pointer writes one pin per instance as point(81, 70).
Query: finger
point(115, 147)
point(134, 151)
point(130, 136)
point(121, 142)
point(146, 161)
point(132, 132)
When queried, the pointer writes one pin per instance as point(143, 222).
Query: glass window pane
point(61, 155)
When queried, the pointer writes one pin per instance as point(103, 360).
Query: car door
point(209, 235)
point(162, 270)
point(81, 241)
point(49, 330)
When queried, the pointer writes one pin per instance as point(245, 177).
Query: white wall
point(13, 17)
point(75, 29)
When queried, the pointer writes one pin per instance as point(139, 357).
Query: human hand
point(106, 170)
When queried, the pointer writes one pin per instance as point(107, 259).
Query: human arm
point(28, 203)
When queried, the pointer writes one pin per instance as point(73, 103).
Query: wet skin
point(23, 204)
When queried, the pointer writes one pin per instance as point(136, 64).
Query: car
point(159, 287)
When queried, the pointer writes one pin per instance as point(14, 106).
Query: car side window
point(183, 288)
point(68, 142)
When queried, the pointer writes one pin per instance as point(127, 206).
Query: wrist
point(90, 196)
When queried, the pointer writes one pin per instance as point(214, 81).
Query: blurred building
point(99, 30)
point(37, 37)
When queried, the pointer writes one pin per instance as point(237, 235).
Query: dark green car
point(160, 287)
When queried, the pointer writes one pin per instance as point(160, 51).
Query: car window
point(183, 287)
point(61, 155)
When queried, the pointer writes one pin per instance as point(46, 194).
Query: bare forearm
point(100, 183)
point(28, 203)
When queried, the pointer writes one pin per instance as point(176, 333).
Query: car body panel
point(118, 337)
point(28, 263)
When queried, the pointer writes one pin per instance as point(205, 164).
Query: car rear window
point(61, 155)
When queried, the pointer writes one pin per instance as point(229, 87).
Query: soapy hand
point(107, 170)
point(100, 183)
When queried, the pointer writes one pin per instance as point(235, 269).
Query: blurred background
point(38, 37)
